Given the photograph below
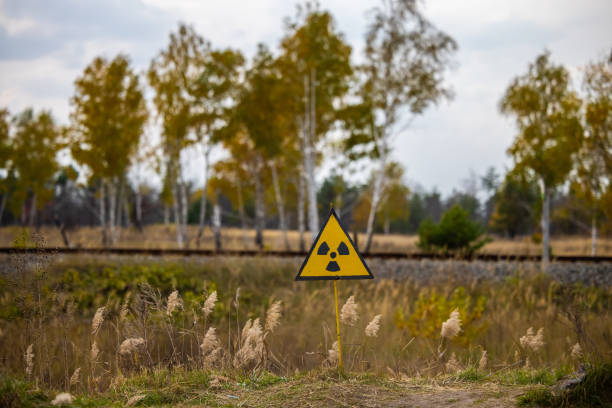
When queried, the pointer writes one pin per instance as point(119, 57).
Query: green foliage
point(471, 375)
point(540, 396)
point(547, 116)
point(455, 232)
point(595, 390)
point(433, 308)
point(516, 205)
point(15, 393)
point(108, 118)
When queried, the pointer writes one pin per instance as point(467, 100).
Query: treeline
point(278, 117)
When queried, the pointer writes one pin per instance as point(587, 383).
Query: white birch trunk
point(203, 200)
point(139, 210)
point(594, 237)
point(279, 204)
point(546, 227)
point(177, 214)
point(300, 210)
point(376, 195)
point(32, 210)
point(241, 213)
point(112, 202)
point(260, 211)
point(184, 208)
point(103, 215)
point(216, 221)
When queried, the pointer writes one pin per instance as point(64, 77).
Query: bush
point(456, 232)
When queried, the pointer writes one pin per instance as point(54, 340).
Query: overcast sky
point(45, 45)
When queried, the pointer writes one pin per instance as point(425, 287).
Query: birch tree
point(214, 89)
point(172, 75)
point(35, 147)
point(547, 115)
point(406, 57)
point(592, 181)
point(315, 63)
point(107, 121)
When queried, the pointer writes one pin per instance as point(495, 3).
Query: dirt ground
point(393, 394)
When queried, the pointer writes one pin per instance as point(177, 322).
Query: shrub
point(455, 232)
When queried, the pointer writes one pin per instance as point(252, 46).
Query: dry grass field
point(160, 236)
point(222, 331)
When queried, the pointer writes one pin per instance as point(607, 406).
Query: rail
point(296, 254)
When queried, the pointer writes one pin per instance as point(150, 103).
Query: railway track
point(293, 254)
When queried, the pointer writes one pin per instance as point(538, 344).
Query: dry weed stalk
point(576, 351)
point(210, 347)
point(482, 364)
point(251, 354)
point(29, 358)
point(76, 377)
point(452, 365)
point(332, 354)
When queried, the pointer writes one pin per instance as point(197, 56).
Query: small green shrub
point(540, 397)
point(455, 232)
point(17, 393)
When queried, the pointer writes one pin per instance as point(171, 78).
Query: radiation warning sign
point(333, 255)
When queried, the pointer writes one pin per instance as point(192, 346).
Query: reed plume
point(452, 326)
point(131, 345)
point(97, 320)
point(372, 328)
point(209, 304)
point(29, 358)
point(174, 303)
point(349, 315)
point(273, 316)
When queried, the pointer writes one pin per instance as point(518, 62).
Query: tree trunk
point(2, 206)
point(260, 211)
point(387, 226)
point(103, 215)
point(32, 210)
point(217, 223)
point(376, 195)
point(112, 202)
point(280, 205)
point(546, 227)
point(166, 216)
point(177, 214)
point(119, 216)
point(241, 213)
point(184, 209)
point(309, 130)
point(203, 199)
point(126, 213)
point(300, 210)
point(139, 210)
point(594, 237)
point(60, 225)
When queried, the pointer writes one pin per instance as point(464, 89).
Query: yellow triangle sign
point(333, 255)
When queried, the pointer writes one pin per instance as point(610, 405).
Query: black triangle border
point(299, 276)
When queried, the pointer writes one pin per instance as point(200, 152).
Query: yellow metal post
point(338, 327)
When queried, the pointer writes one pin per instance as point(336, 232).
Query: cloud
point(45, 45)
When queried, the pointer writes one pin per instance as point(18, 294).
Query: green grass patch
point(471, 375)
point(15, 393)
point(539, 397)
point(525, 376)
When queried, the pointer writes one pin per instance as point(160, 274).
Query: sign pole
point(338, 326)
